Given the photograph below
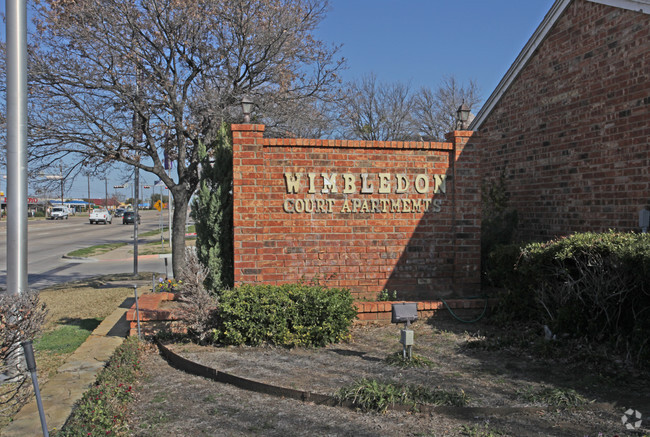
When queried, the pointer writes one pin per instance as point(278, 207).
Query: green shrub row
point(102, 409)
point(592, 285)
point(287, 315)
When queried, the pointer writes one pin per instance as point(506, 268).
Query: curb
point(76, 257)
point(82, 258)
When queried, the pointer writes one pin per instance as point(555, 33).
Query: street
point(49, 240)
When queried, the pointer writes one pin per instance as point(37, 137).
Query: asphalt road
point(49, 240)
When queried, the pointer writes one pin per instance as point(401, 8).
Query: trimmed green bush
point(102, 409)
point(284, 315)
point(591, 285)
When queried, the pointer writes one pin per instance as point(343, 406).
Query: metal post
point(169, 208)
point(16, 146)
point(162, 237)
point(61, 179)
point(137, 309)
point(31, 366)
point(135, 222)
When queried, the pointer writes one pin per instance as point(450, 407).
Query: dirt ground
point(473, 358)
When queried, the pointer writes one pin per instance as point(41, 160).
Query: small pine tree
point(212, 212)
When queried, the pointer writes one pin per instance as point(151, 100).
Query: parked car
point(129, 217)
point(119, 212)
point(101, 216)
point(59, 212)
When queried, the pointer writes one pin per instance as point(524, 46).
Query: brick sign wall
point(356, 214)
point(572, 132)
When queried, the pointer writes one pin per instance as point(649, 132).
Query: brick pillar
point(248, 200)
point(466, 220)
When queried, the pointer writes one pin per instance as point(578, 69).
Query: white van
point(59, 212)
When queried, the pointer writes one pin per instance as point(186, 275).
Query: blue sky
point(416, 42)
point(420, 41)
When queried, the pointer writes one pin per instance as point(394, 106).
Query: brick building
point(569, 124)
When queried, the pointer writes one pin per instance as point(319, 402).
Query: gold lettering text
point(292, 181)
point(421, 184)
point(402, 184)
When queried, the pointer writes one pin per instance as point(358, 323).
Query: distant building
point(111, 203)
point(569, 123)
point(74, 205)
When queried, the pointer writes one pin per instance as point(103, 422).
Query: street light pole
point(16, 95)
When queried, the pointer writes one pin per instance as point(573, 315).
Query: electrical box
point(644, 220)
point(406, 337)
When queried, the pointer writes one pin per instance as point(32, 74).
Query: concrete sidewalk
point(75, 376)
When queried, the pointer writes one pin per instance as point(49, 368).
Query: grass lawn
point(157, 248)
point(96, 250)
point(74, 311)
point(151, 248)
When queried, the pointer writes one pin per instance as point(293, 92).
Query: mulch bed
point(494, 382)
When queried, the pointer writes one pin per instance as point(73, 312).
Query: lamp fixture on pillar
point(462, 115)
point(247, 108)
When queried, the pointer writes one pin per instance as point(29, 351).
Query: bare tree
point(376, 111)
point(135, 81)
point(434, 112)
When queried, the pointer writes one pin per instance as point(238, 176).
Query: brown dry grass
point(70, 302)
point(81, 301)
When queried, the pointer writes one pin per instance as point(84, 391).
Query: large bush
point(589, 285)
point(288, 315)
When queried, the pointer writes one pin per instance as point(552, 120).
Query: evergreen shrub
point(591, 285)
point(212, 211)
point(284, 315)
point(499, 221)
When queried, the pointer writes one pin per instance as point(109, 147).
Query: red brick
point(366, 251)
point(570, 132)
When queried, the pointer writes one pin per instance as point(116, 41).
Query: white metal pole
point(16, 146)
